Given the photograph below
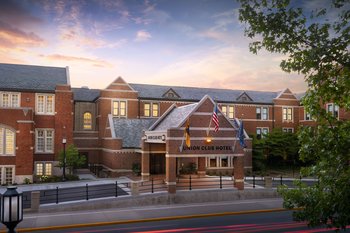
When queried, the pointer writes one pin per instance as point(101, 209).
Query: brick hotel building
point(129, 123)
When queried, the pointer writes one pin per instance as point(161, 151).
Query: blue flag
point(241, 135)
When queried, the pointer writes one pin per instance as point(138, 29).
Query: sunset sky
point(184, 42)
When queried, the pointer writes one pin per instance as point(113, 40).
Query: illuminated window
point(7, 142)
point(287, 114)
point(45, 104)
point(151, 109)
point(87, 120)
point(39, 169)
point(119, 108)
point(228, 110)
point(9, 99)
point(147, 110)
point(44, 140)
point(43, 168)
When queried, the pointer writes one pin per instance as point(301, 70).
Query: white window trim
point(45, 104)
point(287, 128)
point(333, 104)
point(286, 120)
point(3, 175)
point(126, 108)
point(262, 113)
point(10, 99)
point(53, 141)
point(3, 142)
point(218, 162)
point(262, 129)
point(227, 112)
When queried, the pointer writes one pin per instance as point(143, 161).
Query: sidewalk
point(68, 184)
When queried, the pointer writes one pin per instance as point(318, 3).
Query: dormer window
point(171, 95)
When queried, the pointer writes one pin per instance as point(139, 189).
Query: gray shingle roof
point(196, 94)
point(130, 130)
point(175, 117)
point(85, 94)
point(31, 78)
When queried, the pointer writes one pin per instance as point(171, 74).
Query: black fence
point(153, 185)
point(191, 183)
point(87, 192)
point(276, 181)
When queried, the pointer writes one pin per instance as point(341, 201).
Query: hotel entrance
point(157, 164)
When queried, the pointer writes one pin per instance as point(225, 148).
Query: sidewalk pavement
point(68, 184)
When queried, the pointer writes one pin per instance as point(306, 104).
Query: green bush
point(136, 169)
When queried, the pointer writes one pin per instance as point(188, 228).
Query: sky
point(197, 43)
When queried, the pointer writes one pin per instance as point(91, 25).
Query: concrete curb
point(147, 220)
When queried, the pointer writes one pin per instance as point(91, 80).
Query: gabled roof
point(175, 117)
point(15, 77)
point(131, 130)
point(85, 94)
point(196, 94)
point(244, 95)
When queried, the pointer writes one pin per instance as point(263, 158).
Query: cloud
point(229, 67)
point(91, 61)
point(12, 12)
point(12, 37)
point(142, 35)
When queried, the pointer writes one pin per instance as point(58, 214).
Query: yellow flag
point(187, 133)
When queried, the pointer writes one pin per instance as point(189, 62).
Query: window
point(262, 113)
point(43, 168)
point(119, 108)
point(151, 109)
point(44, 140)
point(6, 175)
point(261, 132)
point(307, 116)
point(228, 110)
point(147, 110)
point(7, 141)
point(333, 109)
point(9, 99)
point(45, 104)
point(287, 114)
point(224, 161)
point(212, 162)
point(39, 169)
point(288, 130)
point(87, 121)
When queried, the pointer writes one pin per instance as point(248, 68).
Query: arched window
point(87, 121)
point(7, 141)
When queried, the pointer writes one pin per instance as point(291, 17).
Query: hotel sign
point(207, 148)
point(155, 137)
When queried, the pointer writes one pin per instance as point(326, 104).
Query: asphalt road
point(280, 221)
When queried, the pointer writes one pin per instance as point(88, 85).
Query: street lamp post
point(11, 208)
point(64, 141)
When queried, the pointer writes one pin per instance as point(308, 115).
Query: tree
point(73, 160)
point(315, 44)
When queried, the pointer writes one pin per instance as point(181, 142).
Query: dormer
point(120, 84)
point(244, 97)
point(171, 94)
point(286, 94)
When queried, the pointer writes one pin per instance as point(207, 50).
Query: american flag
point(215, 118)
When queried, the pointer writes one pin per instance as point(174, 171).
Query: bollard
point(135, 188)
point(220, 181)
point(253, 181)
point(190, 183)
point(116, 189)
point(35, 201)
point(281, 182)
point(268, 181)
